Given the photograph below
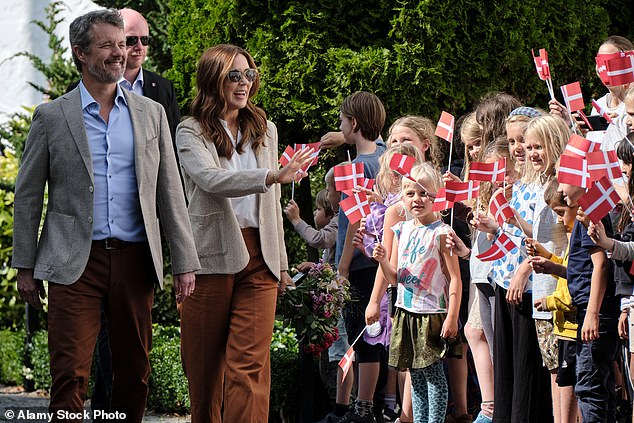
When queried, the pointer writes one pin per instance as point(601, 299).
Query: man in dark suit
point(139, 80)
point(106, 157)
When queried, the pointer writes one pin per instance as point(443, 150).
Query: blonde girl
point(429, 294)
point(419, 131)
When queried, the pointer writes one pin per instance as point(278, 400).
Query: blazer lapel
point(71, 108)
point(137, 116)
point(150, 87)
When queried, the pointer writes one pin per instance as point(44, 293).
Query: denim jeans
point(595, 371)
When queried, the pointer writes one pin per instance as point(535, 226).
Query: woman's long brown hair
point(210, 103)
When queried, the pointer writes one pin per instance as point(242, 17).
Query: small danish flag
point(500, 208)
point(440, 202)
point(346, 362)
point(601, 61)
point(620, 71)
point(403, 165)
point(355, 207)
point(348, 176)
point(573, 96)
point(501, 247)
point(600, 110)
point(574, 171)
point(579, 146)
point(290, 151)
point(488, 172)
point(461, 191)
point(541, 64)
point(444, 129)
point(604, 163)
point(599, 200)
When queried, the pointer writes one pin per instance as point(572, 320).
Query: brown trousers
point(226, 329)
point(123, 280)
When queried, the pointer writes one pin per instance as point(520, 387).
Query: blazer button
point(91, 189)
point(90, 220)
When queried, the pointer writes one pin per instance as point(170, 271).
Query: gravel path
point(15, 406)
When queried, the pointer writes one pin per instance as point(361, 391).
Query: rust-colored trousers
point(123, 280)
point(226, 329)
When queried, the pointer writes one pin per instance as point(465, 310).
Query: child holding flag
point(429, 293)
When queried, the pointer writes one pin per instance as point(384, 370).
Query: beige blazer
point(209, 185)
point(57, 154)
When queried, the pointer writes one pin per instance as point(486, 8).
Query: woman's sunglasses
point(236, 75)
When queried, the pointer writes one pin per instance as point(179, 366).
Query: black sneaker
point(355, 418)
point(389, 415)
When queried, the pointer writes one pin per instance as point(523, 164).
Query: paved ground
point(15, 406)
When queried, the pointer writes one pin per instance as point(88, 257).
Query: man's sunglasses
point(236, 75)
point(133, 39)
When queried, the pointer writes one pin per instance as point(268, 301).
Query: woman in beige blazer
point(228, 153)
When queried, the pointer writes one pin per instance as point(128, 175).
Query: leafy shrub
point(168, 385)
point(284, 383)
point(41, 361)
point(12, 353)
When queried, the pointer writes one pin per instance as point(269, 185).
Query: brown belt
point(112, 244)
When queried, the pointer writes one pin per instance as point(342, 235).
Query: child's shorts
point(566, 374)
point(474, 318)
point(547, 343)
point(416, 342)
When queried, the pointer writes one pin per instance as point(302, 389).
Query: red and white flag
point(348, 176)
point(500, 208)
point(444, 129)
point(316, 146)
point(367, 183)
point(620, 71)
point(403, 165)
point(346, 362)
point(541, 64)
point(573, 96)
point(501, 247)
point(579, 146)
point(356, 206)
point(601, 111)
point(573, 171)
point(602, 70)
point(488, 172)
point(440, 202)
point(287, 155)
point(604, 163)
point(599, 200)
point(461, 191)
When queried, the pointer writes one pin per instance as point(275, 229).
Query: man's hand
point(31, 290)
point(184, 285)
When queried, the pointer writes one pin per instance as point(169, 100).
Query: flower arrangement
point(314, 306)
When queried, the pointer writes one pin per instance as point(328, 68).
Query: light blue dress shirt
point(137, 86)
point(117, 210)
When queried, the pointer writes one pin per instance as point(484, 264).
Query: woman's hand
point(449, 328)
point(292, 212)
point(293, 170)
point(453, 242)
point(285, 281)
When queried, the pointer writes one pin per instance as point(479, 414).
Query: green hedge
point(168, 385)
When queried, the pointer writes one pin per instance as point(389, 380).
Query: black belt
point(112, 244)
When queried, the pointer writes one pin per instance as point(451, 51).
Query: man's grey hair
point(80, 31)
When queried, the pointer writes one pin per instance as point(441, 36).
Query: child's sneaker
point(389, 415)
point(351, 417)
point(482, 418)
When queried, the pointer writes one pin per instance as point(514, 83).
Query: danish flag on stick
point(500, 208)
point(573, 171)
point(287, 155)
point(441, 203)
point(541, 64)
point(620, 71)
point(403, 165)
point(356, 206)
point(602, 70)
point(604, 163)
point(290, 151)
point(349, 176)
point(599, 200)
point(488, 172)
point(461, 191)
point(573, 96)
point(367, 183)
point(600, 110)
point(444, 129)
point(501, 247)
point(346, 362)
point(579, 146)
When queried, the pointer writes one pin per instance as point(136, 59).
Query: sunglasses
point(236, 75)
point(133, 39)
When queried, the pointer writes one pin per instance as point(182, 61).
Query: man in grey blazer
point(107, 159)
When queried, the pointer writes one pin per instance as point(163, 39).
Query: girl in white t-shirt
point(429, 293)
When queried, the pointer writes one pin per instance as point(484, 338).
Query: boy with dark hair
point(362, 117)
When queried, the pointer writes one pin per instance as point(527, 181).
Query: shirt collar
point(139, 79)
point(87, 99)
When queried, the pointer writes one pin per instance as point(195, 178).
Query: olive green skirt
point(416, 342)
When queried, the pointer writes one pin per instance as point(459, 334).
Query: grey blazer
point(57, 154)
point(209, 185)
